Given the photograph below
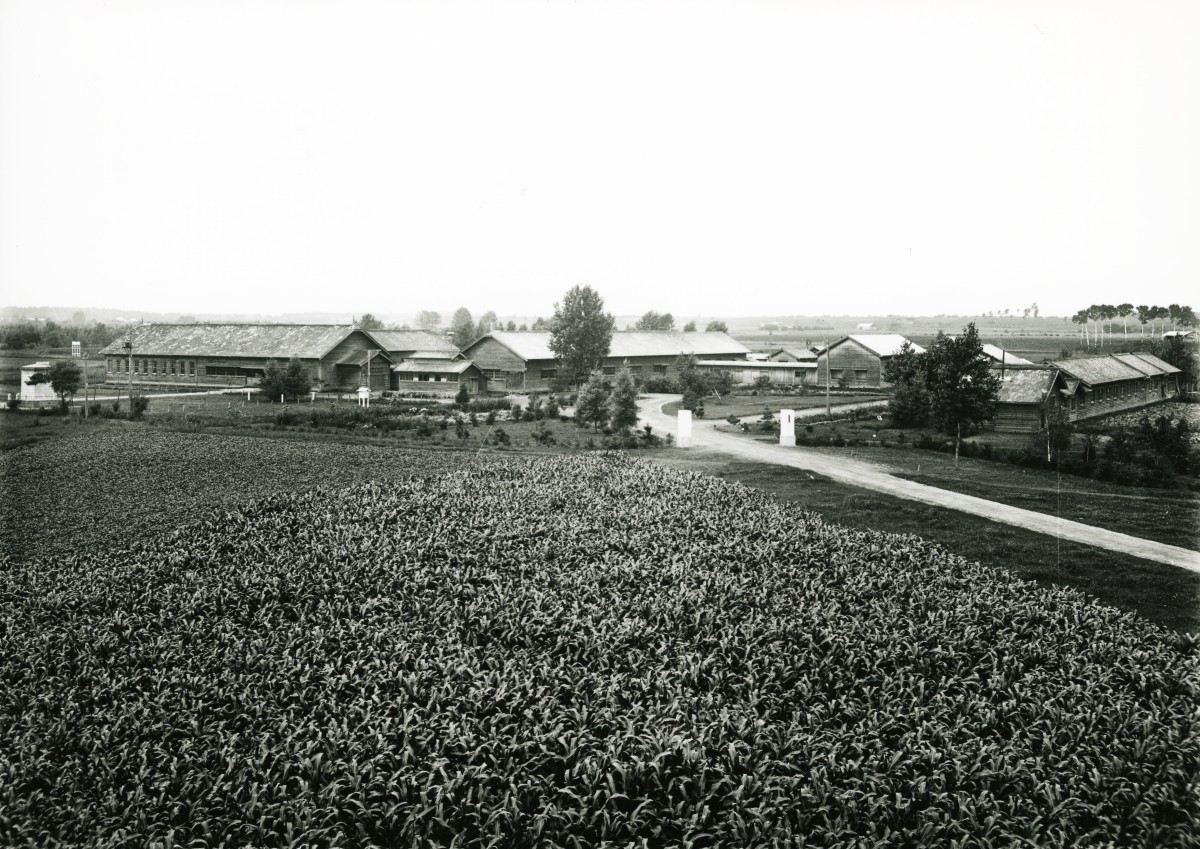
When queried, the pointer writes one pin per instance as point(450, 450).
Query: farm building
point(999, 356)
point(860, 359)
point(338, 358)
point(1021, 404)
point(784, 373)
point(39, 392)
point(428, 372)
point(1095, 386)
point(793, 355)
point(401, 344)
point(524, 361)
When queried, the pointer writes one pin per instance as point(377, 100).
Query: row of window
point(432, 378)
point(179, 368)
point(838, 373)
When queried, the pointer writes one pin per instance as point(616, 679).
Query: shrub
point(500, 436)
point(138, 405)
point(14, 403)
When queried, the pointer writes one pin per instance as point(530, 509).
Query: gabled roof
point(1147, 364)
point(1025, 386)
point(434, 355)
point(1171, 333)
point(359, 358)
point(881, 344)
point(1092, 371)
point(433, 366)
point(536, 346)
point(797, 353)
point(413, 340)
point(994, 352)
point(273, 341)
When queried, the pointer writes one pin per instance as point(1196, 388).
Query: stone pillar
point(683, 435)
point(787, 427)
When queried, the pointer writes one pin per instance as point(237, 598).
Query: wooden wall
point(865, 366)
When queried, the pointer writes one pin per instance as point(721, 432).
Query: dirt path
point(870, 476)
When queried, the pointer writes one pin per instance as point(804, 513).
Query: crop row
point(581, 651)
point(110, 487)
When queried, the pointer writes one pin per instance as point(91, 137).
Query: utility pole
point(828, 377)
point(85, 385)
point(129, 366)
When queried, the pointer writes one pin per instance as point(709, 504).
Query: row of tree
point(1096, 320)
point(43, 335)
point(656, 322)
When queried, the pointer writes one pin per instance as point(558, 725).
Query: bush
point(500, 436)
point(138, 405)
point(14, 403)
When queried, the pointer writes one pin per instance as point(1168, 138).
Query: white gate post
point(787, 427)
point(683, 435)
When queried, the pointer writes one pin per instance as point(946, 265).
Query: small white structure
point(865, 325)
point(683, 429)
point(364, 396)
point(40, 392)
point(787, 428)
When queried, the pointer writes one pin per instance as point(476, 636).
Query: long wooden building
point(338, 358)
point(524, 362)
point(1082, 388)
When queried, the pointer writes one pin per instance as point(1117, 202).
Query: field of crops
point(113, 486)
point(576, 651)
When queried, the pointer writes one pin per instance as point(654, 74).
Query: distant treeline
point(43, 335)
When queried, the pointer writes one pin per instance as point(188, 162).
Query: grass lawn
point(1168, 516)
point(748, 405)
point(1164, 594)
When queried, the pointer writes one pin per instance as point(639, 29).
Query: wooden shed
point(439, 375)
point(1021, 403)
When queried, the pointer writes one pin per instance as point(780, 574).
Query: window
point(860, 374)
point(836, 373)
point(172, 366)
point(660, 370)
point(636, 371)
point(192, 367)
point(493, 373)
point(610, 369)
point(548, 373)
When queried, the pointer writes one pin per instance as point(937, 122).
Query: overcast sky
point(719, 159)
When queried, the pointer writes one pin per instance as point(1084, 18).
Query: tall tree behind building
point(580, 334)
point(462, 328)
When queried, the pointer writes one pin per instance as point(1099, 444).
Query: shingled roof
point(536, 346)
point(881, 344)
point(1109, 368)
point(1025, 386)
point(271, 341)
point(413, 340)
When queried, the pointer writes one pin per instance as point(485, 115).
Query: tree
point(462, 328)
point(1175, 350)
point(1143, 314)
point(690, 327)
point(288, 381)
point(591, 408)
point(580, 334)
point(64, 377)
point(540, 325)
point(909, 404)
point(463, 396)
point(487, 323)
point(510, 327)
point(369, 322)
point(622, 402)
point(654, 322)
point(962, 389)
point(716, 327)
point(1125, 312)
point(429, 320)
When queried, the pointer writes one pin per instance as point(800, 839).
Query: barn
point(426, 372)
point(860, 359)
point(524, 362)
point(338, 358)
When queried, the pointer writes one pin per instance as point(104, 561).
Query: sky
point(704, 158)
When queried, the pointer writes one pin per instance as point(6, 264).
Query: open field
point(574, 650)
